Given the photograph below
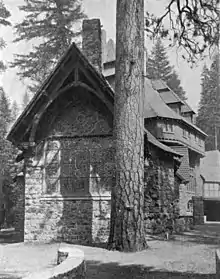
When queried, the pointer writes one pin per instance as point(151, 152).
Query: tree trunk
point(127, 218)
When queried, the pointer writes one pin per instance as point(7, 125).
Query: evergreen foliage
point(208, 118)
point(6, 148)
point(14, 111)
point(4, 15)
point(52, 23)
point(7, 158)
point(175, 84)
point(158, 67)
point(25, 100)
point(5, 113)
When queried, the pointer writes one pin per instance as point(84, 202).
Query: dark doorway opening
point(212, 210)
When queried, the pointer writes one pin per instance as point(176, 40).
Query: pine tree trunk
point(127, 219)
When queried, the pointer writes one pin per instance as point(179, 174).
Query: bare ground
point(191, 255)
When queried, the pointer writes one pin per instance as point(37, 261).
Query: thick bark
point(127, 219)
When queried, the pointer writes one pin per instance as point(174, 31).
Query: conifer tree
point(208, 118)
point(4, 15)
point(5, 122)
point(175, 84)
point(25, 100)
point(158, 67)
point(14, 111)
point(5, 113)
point(55, 25)
point(7, 158)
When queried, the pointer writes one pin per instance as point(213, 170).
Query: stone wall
point(19, 206)
point(71, 264)
point(191, 212)
point(160, 192)
point(77, 217)
point(73, 220)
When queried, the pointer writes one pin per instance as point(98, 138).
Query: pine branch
point(194, 26)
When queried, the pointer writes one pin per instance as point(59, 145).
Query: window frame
point(168, 127)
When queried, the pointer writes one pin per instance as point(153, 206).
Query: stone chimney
point(92, 42)
point(104, 43)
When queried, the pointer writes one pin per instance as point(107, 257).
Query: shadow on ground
point(199, 239)
point(203, 234)
point(98, 270)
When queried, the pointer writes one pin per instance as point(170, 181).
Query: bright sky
point(106, 11)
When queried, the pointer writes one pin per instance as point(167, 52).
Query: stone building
point(65, 134)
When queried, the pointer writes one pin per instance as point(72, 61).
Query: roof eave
point(46, 83)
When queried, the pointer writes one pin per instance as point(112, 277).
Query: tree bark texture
point(127, 218)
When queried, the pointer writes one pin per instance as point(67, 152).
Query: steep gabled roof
point(45, 90)
point(156, 107)
point(210, 166)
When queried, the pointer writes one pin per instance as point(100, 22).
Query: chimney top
point(92, 42)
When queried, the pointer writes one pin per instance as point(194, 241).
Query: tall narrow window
point(190, 206)
point(52, 167)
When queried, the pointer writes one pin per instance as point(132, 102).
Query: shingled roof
point(155, 107)
point(160, 145)
point(210, 166)
point(169, 96)
point(186, 108)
